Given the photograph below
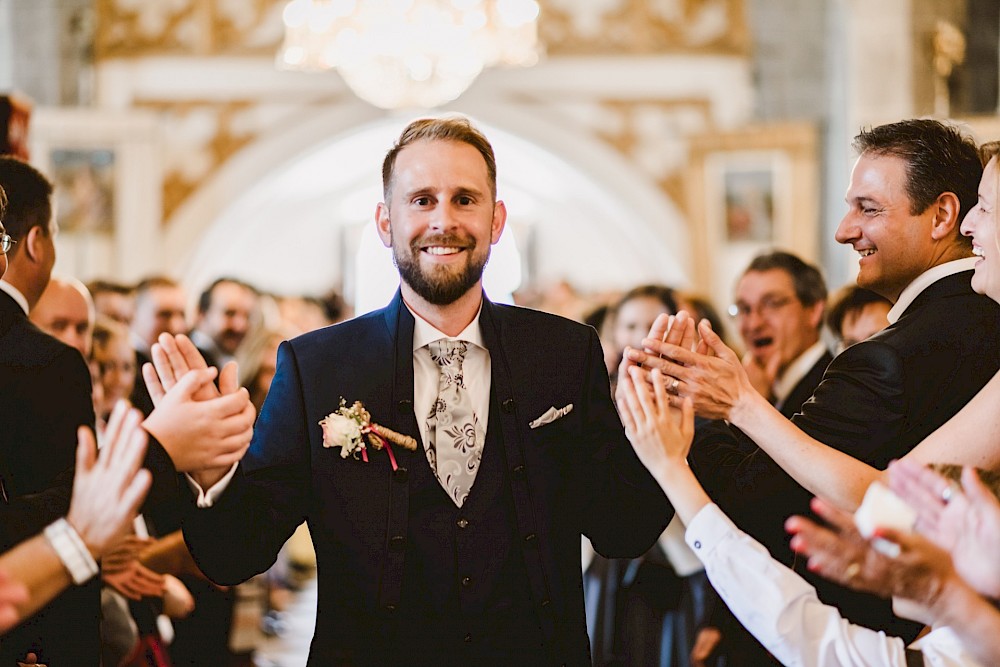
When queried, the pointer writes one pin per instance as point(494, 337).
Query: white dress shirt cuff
point(73, 553)
point(207, 497)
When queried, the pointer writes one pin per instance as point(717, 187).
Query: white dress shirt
point(925, 280)
point(476, 371)
point(796, 370)
point(782, 611)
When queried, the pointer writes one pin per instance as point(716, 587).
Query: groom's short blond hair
point(446, 128)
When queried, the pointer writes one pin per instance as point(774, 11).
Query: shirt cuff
point(73, 553)
point(707, 529)
point(207, 497)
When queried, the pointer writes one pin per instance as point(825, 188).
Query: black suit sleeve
point(626, 510)
point(57, 402)
point(267, 498)
point(860, 406)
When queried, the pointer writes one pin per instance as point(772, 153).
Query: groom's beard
point(440, 285)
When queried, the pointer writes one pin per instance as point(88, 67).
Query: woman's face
point(115, 363)
point(981, 224)
point(634, 319)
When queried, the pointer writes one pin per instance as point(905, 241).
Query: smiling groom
point(466, 549)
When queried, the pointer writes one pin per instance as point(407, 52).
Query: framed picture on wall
point(108, 189)
point(749, 191)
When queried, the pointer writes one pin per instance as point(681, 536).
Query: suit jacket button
point(518, 471)
point(404, 406)
point(390, 608)
point(508, 405)
point(546, 602)
point(466, 582)
point(463, 522)
point(468, 639)
point(397, 543)
point(530, 537)
point(401, 474)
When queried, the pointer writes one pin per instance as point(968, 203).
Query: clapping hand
point(709, 373)
point(918, 572)
point(660, 434)
point(204, 430)
point(108, 489)
point(964, 522)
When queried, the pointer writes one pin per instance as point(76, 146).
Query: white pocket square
point(551, 415)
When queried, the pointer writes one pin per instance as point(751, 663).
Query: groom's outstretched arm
point(266, 499)
point(625, 510)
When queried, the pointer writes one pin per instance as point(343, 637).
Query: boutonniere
point(350, 427)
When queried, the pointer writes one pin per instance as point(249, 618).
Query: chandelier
point(409, 53)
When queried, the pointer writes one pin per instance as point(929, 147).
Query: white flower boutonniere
point(350, 427)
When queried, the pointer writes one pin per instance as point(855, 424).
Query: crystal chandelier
point(409, 53)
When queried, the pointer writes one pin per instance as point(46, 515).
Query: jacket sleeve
point(860, 406)
point(267, 497)
point(626, 511)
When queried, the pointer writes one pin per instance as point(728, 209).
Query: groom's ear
point(383, 225)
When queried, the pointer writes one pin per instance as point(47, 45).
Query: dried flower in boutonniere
point(349, 428)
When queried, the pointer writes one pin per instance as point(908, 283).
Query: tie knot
point(448, 354)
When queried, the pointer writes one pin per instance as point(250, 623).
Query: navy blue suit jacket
point(577, 475)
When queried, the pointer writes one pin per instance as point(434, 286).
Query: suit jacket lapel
point(399, 321)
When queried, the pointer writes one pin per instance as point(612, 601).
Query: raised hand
point(660, 434)
point(966, 523)
point(107, 490)
point(918, 572)
point(716, 383)
point(202, 435)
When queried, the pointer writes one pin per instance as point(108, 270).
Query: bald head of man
point(66, 311)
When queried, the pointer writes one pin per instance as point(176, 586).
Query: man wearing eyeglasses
point(779, 310)
point(45, 395)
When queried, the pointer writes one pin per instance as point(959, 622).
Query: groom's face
point(441, 220)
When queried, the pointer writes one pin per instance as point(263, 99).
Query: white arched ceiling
point(275, 215)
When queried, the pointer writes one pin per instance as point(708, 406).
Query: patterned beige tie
point(453, 448)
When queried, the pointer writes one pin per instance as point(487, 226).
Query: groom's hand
point(202, 436)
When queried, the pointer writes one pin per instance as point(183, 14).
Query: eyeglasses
point(6, 243)
point(767, 306)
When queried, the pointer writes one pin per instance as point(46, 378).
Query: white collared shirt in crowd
point(796, 370)
point(925, 280)
point(783, 612)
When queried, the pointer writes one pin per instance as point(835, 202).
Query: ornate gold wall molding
point(139, 28)
point(644, 27)
point(205, 152)
point(133, 29)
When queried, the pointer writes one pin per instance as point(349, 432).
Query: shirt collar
point(925, 280)
point(15, 294)
point(797, 370)
point(424, 332)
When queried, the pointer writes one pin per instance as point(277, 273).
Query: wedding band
point(673, 386)
point(852, 571)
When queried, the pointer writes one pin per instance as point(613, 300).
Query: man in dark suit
point(909, 189)
point(225, 310)
point(45, 394)
point(466, 549)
